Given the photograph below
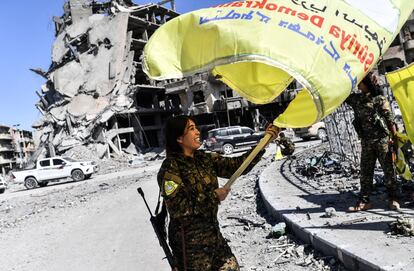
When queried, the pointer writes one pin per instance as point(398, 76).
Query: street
point(102, 224)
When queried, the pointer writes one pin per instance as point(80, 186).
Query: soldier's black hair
point(174, 128)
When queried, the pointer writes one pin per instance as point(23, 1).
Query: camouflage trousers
point(201, 247)
point(371, 151)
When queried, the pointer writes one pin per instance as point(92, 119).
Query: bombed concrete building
point(16, 147)
point(401, 51)
point(96, 93)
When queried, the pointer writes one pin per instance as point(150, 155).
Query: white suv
point(317, 130)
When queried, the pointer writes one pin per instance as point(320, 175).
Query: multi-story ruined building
point(401, 51)
point(16, 146)
point(96, 93)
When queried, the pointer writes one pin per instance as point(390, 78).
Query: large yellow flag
point(402, 86)
point(258, 47)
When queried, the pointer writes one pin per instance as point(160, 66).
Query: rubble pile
point(96, 93)
point(257, 239)
point(403, 226)
point(328, 171)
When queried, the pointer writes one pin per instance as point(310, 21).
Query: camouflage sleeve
point(384, 109)
point(226, 166)
point(177, 200)
point(180, 199)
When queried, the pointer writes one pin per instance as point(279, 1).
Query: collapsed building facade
point(96, 93)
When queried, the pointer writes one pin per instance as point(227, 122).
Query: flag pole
point(263, 143)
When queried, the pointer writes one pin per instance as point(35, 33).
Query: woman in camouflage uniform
point(374, 124)
point(189, 186)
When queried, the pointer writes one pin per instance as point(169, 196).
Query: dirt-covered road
point(102, 224)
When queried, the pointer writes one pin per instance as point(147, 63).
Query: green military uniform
point(373, 116)
point(187, 186)
point(286, 145)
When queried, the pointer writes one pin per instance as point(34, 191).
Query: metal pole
point(227, 108)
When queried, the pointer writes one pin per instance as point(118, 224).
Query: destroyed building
point(16, 146)
point(96, 93)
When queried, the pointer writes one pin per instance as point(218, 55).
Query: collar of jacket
point(181, 156)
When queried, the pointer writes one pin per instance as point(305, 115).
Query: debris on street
point(403, 226)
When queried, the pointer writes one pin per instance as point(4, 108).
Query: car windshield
point(70, 159)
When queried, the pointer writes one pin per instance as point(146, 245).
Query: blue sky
point(27, 35)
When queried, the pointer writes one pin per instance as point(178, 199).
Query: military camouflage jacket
point(288, 147)
point(187, 184)
point(373, 115)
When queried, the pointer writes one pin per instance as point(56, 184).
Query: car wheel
point(77, 175)
point(322, 135)
point(30, 183)
point(2, 190)
point(227, 148)
point(43, 184)
point(87, 176)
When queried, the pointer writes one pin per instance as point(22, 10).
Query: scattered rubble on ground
point(403, 226)
point(325, 170)
point(258, 241)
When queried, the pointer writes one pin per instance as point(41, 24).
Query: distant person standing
point(374, 124)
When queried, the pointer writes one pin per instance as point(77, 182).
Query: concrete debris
point(278, 230)
point(403, 226)
point(131, 149)
point(330, 212)
point(325, 164)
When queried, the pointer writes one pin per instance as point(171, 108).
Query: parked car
point(3, 185)
point(228, 139)
point(54, 168)
point(317, 130)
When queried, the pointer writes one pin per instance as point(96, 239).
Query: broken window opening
point(198, 97)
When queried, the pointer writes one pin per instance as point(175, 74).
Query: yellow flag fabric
point(401, 165)
point(258, 47)
point(402, 86)
point(278, 155)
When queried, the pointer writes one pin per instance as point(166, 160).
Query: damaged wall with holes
point(96, 92)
